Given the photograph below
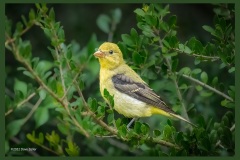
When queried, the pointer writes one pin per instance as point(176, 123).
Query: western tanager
point(132, 96)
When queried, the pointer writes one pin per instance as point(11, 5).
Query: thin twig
point(29, 97)
point(32, 110)
point(108, 136)
point(184, 111)
point(23, 101)
point(206, 86)
point(74, 79)
point(11, 40)
point(197, 55)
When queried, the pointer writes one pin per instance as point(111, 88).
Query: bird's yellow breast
point(123, 104)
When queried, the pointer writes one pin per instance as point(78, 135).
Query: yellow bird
point(132, 96)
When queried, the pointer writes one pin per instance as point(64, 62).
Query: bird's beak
point(99, 54)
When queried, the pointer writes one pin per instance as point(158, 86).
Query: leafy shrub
point(48, 109)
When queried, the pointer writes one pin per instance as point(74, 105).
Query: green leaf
point(181, 47)
point(145, 128)
point(127, 40)
point(137, 59)
point(61, 34)
point(19, 29)
point(108, 97)
point(202, 123)
point(225, 121)
point(100, 111)
point(206, 93)
point(122, 131)
point(149, 74)
point(103, 22)
point(196, 71)
point(230, 116)
point(156, 132)
point(93, 104)
point(172, 41)
point(164, 26)
point(209, 29)
point(34, 139)
point(20, 86)
point(53, 138)
point(134, 34)
point(183, 86)
point(47, 32)
point(224, 102)
point(204, 77)
point(151, 20)
point(226, 138)
point(166, 43)
point(187, 50)
point(110, 118)
point(139, 12)
point(215, 81)
point(163, 11)
point(174, 62)
point(43, 66)
point(147, 30)
point(31, 15)
point(81, 84)
point(172, 21)
point(14, 127)
point(69, 54)
point(137, 127)
point(199, 88)
point(42, 94)
point(116, 15)
point(213, 136)
point(25, 49)
point(195, 45)
point(167, 133)
point(197, 61)
point(118, 122)
point(73, 149)
point(41, 116)
point(232, 69)
point(52, 14)
point(64, 129)
point(179, 137)
point(185, 70)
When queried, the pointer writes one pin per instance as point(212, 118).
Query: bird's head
point(109, 55)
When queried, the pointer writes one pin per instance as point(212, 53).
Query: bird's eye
point(111, 51)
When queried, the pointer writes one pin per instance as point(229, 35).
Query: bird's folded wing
point(139, 91)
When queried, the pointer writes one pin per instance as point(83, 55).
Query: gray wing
point(139, 91)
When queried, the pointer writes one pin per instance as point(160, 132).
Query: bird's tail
point(179, 117)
